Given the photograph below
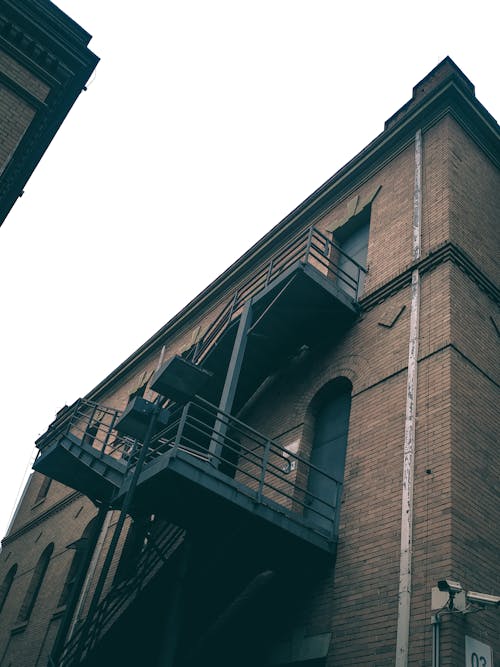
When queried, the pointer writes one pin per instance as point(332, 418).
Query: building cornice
point(41, 518)
point(46, 42)
point(446, 252)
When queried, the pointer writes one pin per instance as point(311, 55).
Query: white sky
point(206, 122)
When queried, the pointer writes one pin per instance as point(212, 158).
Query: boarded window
point(43, 490)
point(328, 453)
point(6, 585)
point(35, 584)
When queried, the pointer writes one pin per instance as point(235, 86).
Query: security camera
point(483, 599)
point(449, 586)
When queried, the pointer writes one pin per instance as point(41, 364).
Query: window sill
point(59, 612)
point(20, 627)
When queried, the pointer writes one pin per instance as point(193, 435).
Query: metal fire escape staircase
point(92, 639)
point(202, 463)
point(186, 458)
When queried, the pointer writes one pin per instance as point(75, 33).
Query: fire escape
point(188, 460)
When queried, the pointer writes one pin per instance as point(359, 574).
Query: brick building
point(44, 66)
point(283, 473)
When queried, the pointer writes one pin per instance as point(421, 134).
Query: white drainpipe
point(403, 629)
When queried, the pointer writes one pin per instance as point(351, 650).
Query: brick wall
point(474, 201)
point(26, 644)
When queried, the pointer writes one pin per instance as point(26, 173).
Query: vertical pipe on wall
point(436, 627)
point(404, 596)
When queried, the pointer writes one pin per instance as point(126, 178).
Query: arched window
point(80, 547)
point(35, 584)
point(6, 584)
point(331, 427)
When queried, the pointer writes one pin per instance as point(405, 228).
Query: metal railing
point(256, 465)
point(158, 550)
point(309, 247)
point(91, 424)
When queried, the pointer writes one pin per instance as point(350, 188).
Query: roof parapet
point(444, 71)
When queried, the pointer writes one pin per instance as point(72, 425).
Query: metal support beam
point(268, 308)
point(231, 382)
point(121, 520)
point(175, 612)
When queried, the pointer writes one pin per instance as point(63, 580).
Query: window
point(35, 584)
point(81, 550)
point(6, 584)
point(331, 430)
point(43, 490)
point(352, 238)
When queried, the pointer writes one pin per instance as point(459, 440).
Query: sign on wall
point(477, 654)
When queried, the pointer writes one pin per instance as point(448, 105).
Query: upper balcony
point(307, 290)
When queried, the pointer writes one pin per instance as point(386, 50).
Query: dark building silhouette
point(44, 65)
point(282, 474)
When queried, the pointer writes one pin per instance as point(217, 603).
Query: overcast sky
point(206, 122)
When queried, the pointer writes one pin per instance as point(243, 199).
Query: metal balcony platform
point(192, 493)
point(208, 469)
point(82, 450)
point(81, 467)
point(204, 468)
point(306, 293)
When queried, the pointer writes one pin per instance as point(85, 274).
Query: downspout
point(404, 596)
point(436, 631)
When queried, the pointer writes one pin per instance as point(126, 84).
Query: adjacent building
point(281, 475)
point(44, 66)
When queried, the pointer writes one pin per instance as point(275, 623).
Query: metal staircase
point(204, 454)
point(203, 469)
point(157, 554)
point(309, 248)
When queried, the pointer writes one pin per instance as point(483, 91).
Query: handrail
point(258, 466)
point(92, 424)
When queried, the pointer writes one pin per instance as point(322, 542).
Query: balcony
point(207, 468)
point(307, 291)
point(203, 467)
point(82, 450)
point(204, 470)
